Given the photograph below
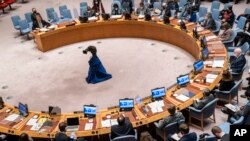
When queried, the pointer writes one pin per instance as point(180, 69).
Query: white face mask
point(116, 9)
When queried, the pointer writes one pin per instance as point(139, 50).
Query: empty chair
point(216, 14)
point(228, 96)
point(28, 18)
point(215, 5)
point(55, 18)
point(24, 27)
point(61, 8)
point(157, 5)
point(247, 10)
point(218, 26)
point(49, 12)
point(66, 14)
point(204, 113)
point(15, 21)
point(82, 4)
point(182, 4)
point(244, 49)
point(201, 14)
point(230, 41)
point(241, 24)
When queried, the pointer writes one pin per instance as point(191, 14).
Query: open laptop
point(72, 124)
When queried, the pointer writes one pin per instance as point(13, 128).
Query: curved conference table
point(79, 32)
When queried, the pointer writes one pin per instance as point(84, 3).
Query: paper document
point(141, 16)
point(210, 77)
point(92, 18)
point(116, 16)
point(208, 62)
point(88, 126)
point(211, 37)
point(12, 117)
point(156, 106)
point(232, 107)
point(200, 29)
point(113, 122)
point(106, 123)
point(36, 127)
point(175, 137)
point(218, 64)
point(182, 97)
point(32, 122)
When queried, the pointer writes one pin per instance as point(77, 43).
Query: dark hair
point(115, 5)
point(121, 120)
point(145, 136)
point(62, 126)
point(24, 137)
point(184, 128)
point(166, 19)
point(91, 49)
point(227, 76)
point(206, 92)
point(171, 109)
point(216, 129)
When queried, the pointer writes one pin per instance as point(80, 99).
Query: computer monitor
point(158, 93)
point(195, 33)
point(203, 41)
point(73, 121)
point(54, 110)
point(23, 109)
point(198, 66)
point(89, 111)
point(205, 53)
point(183, 25)
point(126, 104)
point(1, 103)
point(183, 80)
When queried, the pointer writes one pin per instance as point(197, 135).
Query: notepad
point(88, 126)
point(182, 98)
point(116, 17)
point(208, 38)
point(92, 18)
point(218, 63)
point(32, 122)
point(12, 117)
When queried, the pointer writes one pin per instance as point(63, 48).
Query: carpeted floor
point(57, 77)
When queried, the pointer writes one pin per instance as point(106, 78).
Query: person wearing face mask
point(127, 6)
point(116, 10)
point(238, 61)
point(98, 6)
point(141, 10)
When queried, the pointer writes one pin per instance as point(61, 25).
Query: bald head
point(237, 52)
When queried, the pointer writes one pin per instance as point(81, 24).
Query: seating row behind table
point(138, 116)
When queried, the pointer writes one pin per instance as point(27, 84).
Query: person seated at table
point(227, 33)
point(217, 132)
point(238, 61)
point(227, 82)
point(191, 17)
point(25, 137)
point(146, 136)
point(34, 14)
point(98, 6)
point(208, 97)
point(39, 23)
point(141, 10)
point(173, 117)
point(89, 13)
point(184, 134)
point(123, 128)
point(116, 10)
point(61, 135)
point(127, 6)
point(228, 16)
point(209, 22)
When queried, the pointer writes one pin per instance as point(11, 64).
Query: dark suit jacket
point(203, 102)
point(61, 137)
point(36, 25)
point(170, 119)
point(126, 129)
point(189, 137)
point(237, 64)
point(226, 85)
point(225, 137)
point(209, 24)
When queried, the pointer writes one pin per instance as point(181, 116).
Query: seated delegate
point(227, 33)
point(208, 97)
point(39, 23)
point(217, 132)
point(238, 61)
point(184, 134)
point(227, 82)
point(209, 22)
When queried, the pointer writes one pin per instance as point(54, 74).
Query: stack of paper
point(210, 77)
point(12, 117)
point(218, 63)
point(88, 126)
point(208, 38)
point(109, 122)
point(156, 106)
point(182, 97)
point(200, 28)
point(36, 127)
point(92, 18)
point(32, 122)
point(116, 17)
point(141, 16)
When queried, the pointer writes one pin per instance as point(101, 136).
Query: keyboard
point(72, 128)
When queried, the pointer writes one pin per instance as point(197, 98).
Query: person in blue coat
point(97, 73)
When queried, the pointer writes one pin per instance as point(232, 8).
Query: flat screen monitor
point(1, 103)
point(74, 121)
point(23, 109)
point(89, 111)
point(205, 53)
point(198, 66)
point(195, 33)
point(203, 41)
point(183, 25)
point(126, 104)
point(158, 93)
point(183, 80)
point(54, 110)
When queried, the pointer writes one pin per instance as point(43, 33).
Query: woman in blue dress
point(97, 72)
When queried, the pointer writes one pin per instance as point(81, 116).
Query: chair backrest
point(241, 23)
point(247, 10)
point(66, 14)
point(234, 91)
point(218, 26)
point(215, 5)
point(182, 3)
point(55, 17)
point(239, 121)
point(28, 17)
point(216, 14)
point(171, 128)
point(49, 12)
point(245, 48)
point(119, 6)
point(83, 4)
point(125, 138)
point(210, 138)
point(61, 8)
point(157, 5)
point(202, 11)
point(208, 110)
point(83, 10)
point(15, 20)
point(23, 24)
point(232, 37)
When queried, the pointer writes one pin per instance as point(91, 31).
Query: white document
point(113, 122)
point(92, 18)
point(175, 137)
point(12, 117)
point(154, 110)
point(156, 106)
point(106, 123)
point(211, 37)
point(200, 28)
point(212, 76)
point(36, 127)
point(160, 103)
point(232, 107)
point(208, 62)
point(182, 97)
point(218, 63)
point(141, 16)
point(116, 16)
point(32, 122)
point(159, 109)
point(88, 126)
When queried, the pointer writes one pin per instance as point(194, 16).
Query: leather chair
point(125, 138)
point(204, 113)
point(225, 127)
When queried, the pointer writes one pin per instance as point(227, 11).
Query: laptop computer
point(72, 124)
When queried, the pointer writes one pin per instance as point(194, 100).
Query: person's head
point(141, 5)
point(230, 9)
point(91, 49)
point(237, 52)
point(216, 131)
point(33, 10)
point(38, 18)
point(121, 120)
point(24, 137)
point(171, 109)
point(206, 92)
point(227, 76)
point(226, 26)
point(127, 16)
point(184, 128)
point(115, 6)
point(145, 136)
point(62, 126)
point(209, 15)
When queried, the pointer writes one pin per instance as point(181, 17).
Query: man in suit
point(209, 22)
point(208, 97)
point(39, 23)
point(173, 117)
point(185, 135)
point(238, 61)
point(123, 128)
point(219, 134)
point(61, 136)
